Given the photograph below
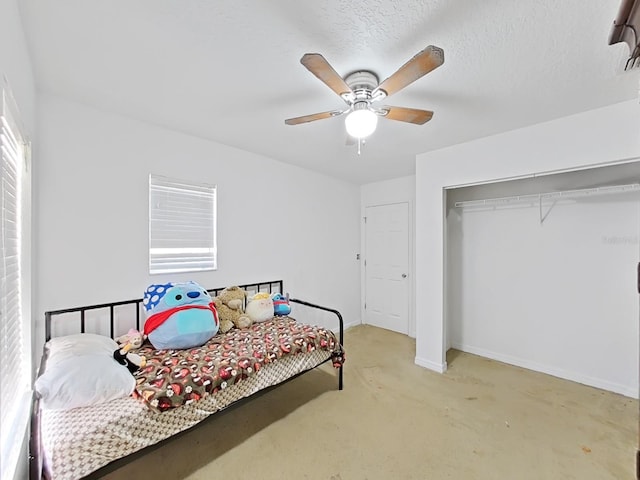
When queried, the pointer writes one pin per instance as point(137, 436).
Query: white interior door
point(387, 267)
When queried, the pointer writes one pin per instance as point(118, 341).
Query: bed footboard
point(340, 334)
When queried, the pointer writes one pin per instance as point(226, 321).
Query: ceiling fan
point(360, 90)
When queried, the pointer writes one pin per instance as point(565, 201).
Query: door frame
point(411, 259)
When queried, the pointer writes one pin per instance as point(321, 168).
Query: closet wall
point(551, 288)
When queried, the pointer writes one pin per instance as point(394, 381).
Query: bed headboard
point(131, 306)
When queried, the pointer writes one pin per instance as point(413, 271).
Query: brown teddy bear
point(229, 304)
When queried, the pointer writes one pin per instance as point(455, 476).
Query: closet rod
point(566, 194)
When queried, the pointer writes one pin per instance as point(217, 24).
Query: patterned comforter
point(172, 378)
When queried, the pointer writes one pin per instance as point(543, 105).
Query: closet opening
point(541, 272)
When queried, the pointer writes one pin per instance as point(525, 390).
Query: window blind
point(182, 226)
point(15, 378)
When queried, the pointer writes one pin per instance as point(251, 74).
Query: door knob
point(404, 275)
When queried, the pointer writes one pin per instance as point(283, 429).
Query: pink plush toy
point(133, 337)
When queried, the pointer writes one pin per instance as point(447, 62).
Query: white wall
point(604, 135)
point(398, 190)
point(15, 63)
point(557, 296)
point(275, 221)
point(15, 67)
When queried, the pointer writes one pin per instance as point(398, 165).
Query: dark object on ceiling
point(626, 28)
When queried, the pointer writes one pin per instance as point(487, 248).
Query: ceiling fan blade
point(313, 117)
point(409, 115)
point(317, 65)
point(422, 63)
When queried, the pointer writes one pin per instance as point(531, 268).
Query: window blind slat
point(181, 260)
point(182, 224)
point(7, 138)
point(180, 238)
point(8, 149)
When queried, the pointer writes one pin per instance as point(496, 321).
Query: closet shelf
point(553, 196)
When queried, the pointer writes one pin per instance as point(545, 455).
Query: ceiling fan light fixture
point(361, 122)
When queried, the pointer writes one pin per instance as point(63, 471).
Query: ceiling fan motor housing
point(362, 83)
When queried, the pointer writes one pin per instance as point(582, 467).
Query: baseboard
point(625, 390)
point(436, 367)
point(346, 326)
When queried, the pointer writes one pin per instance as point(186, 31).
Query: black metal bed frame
point(35, 446)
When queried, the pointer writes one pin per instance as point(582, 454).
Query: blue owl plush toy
point(179, 315)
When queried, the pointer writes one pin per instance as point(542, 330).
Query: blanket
point(172, 378)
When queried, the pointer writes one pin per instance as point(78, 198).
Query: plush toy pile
point(183, 315)
point(179, 315)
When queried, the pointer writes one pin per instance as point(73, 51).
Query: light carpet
point(482, 419)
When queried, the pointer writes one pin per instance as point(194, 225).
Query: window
point(182, 226)
point(15, 351)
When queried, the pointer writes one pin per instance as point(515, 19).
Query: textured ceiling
point(229, 70)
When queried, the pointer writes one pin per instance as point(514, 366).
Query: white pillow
point(83, 380)
point(72, 346)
